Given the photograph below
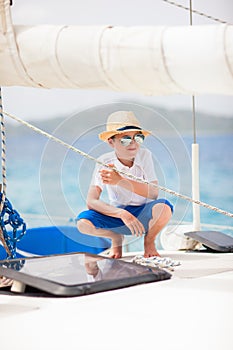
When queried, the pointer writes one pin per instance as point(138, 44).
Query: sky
point(30, 103)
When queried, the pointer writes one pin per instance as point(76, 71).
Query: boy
point(134, 207)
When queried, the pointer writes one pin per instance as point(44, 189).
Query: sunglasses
point(126, 140)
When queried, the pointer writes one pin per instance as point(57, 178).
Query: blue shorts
point(142, 212)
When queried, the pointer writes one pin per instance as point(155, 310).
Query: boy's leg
point(85, 226)
point(161, 214)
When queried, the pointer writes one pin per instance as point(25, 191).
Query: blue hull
point(57, 240)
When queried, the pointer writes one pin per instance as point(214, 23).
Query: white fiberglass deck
point(192, 310)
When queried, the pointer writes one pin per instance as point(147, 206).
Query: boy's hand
point(110, 176)
point(135, 226)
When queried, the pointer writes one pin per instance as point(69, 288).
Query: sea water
point(49, 181)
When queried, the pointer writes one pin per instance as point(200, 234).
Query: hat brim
point(105, 135)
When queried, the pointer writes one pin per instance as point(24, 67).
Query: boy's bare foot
point(116, 249)
point(116, 252)
point(149, 247)
point(5, 282)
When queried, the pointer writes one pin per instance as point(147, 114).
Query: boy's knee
point(162, 212)
point(167, 212)
point(84, 225)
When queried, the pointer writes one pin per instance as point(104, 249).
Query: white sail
point(147, 60)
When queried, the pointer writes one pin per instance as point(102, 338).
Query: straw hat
point(120, 122)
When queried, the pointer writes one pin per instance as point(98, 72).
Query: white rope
point(3, 153)
point(196, 12)
point(156, 261)
point(72, 148)
point(3, 161)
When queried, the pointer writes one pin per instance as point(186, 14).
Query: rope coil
point(156, 261)
point(10, 216)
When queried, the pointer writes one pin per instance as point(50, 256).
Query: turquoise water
point(46, 179)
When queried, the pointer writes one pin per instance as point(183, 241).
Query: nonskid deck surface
point(194, 264)
point(191, 310)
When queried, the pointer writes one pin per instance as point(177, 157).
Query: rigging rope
point(72, 148)
point(196, 12)
point(3, 138)
point(3, 155)
point(8, 215)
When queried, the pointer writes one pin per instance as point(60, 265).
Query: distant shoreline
point(154, 118)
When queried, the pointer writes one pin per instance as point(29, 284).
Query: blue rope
point(11, 217)
point(16, 264)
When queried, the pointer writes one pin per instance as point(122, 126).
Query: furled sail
point(147, 60)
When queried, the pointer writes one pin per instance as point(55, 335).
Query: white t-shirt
point(143, 168)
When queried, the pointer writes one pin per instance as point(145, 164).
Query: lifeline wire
point(196, 12)
point(72, 148)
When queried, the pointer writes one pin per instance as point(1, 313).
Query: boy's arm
point(142, 189)
point(94, 202)
point(111, 177)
